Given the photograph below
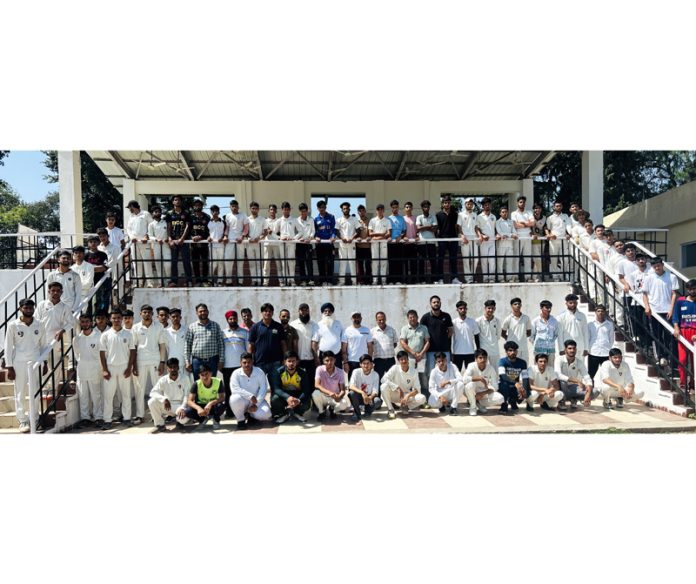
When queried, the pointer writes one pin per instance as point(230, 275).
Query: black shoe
point(530, 408)
point(442, 409)
point(368, 410)
point(159, 429)
point(503, 409)
point(242, 425)
point(562, 407)
point(513, 406)
point(179, 427)
point(355, 418)
point(453, 412)
point(333, 415)
point(321, 417)
point(169, 419)
point(547, 407)
point(106, 426)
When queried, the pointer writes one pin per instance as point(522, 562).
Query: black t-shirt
point(437, 327)
point(96, 258)
point(266, 339)
point(177, 222)
point(199, 225)
point(447, 223)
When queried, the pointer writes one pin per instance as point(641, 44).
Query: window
point(688, 255)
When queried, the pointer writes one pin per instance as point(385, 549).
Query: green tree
point(43, 215)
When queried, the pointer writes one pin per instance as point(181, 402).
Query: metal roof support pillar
point(70, 189)
point(593, 184)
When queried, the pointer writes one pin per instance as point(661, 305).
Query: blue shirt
point(398, 225)
point(325, 227)
point(267, 342)
point(512, 371)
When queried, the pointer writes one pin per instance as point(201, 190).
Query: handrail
point(46, 234)
point(676, 272)
point(29, 275)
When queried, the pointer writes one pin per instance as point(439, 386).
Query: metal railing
point(26, 250)
point(652, 335)
point(297, 262)
point(651, 240)
point(54, 378)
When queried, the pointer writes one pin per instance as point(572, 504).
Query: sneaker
point(169, 419)
point(179, 427)
point(24, 427)
point(405, 411)
point(456, 281)
point(545, 406)
point(159, 429)
point(442, 409)
point(282, 419)
point(216, 424)
point(514, 406)
point(126, 423)
point(453, 412)
point(242, 425)
point(99, 424)
point(332, 414)
point(391, 415)
point(137, 421)
point(619, 402)
point(321, 416)
point(503, 411)
point(299, 418)
point(606, 404)
point(472, 411)
point(440, 282)
point(562, 407)
point(426, 406)
point(355, 418)
point(573, 404)
point(530, 407)
point(203, 422)
point(482, 409)
point(106, 426)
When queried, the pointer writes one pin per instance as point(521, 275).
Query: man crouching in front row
point(206, 399)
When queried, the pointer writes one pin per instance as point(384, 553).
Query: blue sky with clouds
point(23, 171)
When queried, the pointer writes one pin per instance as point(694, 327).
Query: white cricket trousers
point(158, 412)
point(379, 260)
point(239, 406)
point(468, 256)
point(346, 255)
point(608, 392)
point(253, 253)
point(287, 253)
point(558, 260)
point(89, 393)
point(143, 382)
point(553, 399)
point(491, 399)
point(507, 260)
point(22, 391)
point(143, 263)
point(452, 393)
point(120, 383)
point(233, 254)
point(163, 261)
point(217, 263)
point(487, 260)
point(271, 250)
point(323, 401)
point(524, 247)
point(389, 396)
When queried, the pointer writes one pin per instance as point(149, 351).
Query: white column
point(593, 184)
point(130, 193)
point(527, 191)
point(70, 189)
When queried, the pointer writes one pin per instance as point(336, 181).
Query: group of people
point(396, 248)
point(279, 370)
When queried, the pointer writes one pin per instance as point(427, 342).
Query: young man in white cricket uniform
point(137, 231)
point(236, 228)
point(445, 385)
point(517, 327)
point(543, 381)
point(573, 378)
point(480, 380)
point(348, 229)
point(379, 230)
point(83, 269)
point(467, 227)
point(257, 229)
point(68, 279)
point(616, 381)
point(25, 339)
point(167, 397)
point(289, 232)
point(216, 233)
point(364, 389)
point(401, 385)
point(523, 221)
point(506, 243)
point(489, 326)
point(162, 253)
point(572, 324)
point(557, 225)
point(117, 356)
point(89, 374)
point(465, 339)
point(485, 230)
point(151, 351)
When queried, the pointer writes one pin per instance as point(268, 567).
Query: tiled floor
point(595, 418)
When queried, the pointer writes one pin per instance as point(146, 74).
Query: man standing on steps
point(303, 249)
point(57, 318)
point(325, 233)
point(379, 230)
point(68, 279)
point(557, 231)
point(89, 379)
point(137, 230)
point(178, 231)
point(24, 341)
point(600, 340)
point(684, 321)
point(446, 228)
point(157, 233)
point(205, 344)
point(257, 229)
point(467, 229)
point(659, 295)
point(395, 246)
point(289, 232)
point(426, 226)
point(485, 230)
point(83, 269)
point(236, 228)
point(117, 355)
point(151, 350)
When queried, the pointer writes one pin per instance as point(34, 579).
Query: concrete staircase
point(66, 415)
point(657, 393)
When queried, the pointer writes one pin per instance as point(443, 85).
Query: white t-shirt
point(659, 290)
point(369, 384)
point(463, 342)
point(467, 222)
point(329, 337)
point(117, 346)
point(305, 333)
point(517, 331)
point(489, 338)
point(235, 225)
point(357, 339)
point(621, 374)
point(86, 349)
point(522, 217)
point(176, 344)
point(489, 374)
point(540, 379)
point(86, 273)
point(423, 221)
point(347, 227)
point(486, 224)
point(236, 342)
point(437, 376)
point(147, 340)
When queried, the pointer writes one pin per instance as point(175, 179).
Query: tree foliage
point(630, 176)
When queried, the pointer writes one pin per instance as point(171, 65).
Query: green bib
point(208, 394)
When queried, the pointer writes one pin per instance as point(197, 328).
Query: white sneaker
point(391, 415)
point(455, 281)
point(482, 409)
point(472, 411)
point(24, 427)
point(284, 418)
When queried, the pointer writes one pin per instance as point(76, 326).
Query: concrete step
point(6, 388)
point(7, 405)
point(9, 420)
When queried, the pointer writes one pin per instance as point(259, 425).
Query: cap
point(327, 305)
point(354, 313)
point(655, 260)
point(230, 313)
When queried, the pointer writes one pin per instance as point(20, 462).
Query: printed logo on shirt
point(92, 345)
point(274, 331)
point(21, 333)
point(36, 332)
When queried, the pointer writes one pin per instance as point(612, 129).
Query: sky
point(23, 171)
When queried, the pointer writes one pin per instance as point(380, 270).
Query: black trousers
point(462, 361)
point(409, 262)
point(382, 366)
point(450, 248)
point(279, 405)
point(310, 367)
point(201, 260)
point(305, 261)
point(183, 252)
point(363, 257)
point(394, 259)
point(325, 262)
point(593, 364)
point(226, 374)
point(427, 252)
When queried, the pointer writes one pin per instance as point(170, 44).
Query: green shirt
point(415, 337)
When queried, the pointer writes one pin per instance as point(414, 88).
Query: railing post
point(32, 397)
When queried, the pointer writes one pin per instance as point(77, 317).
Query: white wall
point(394, 301)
